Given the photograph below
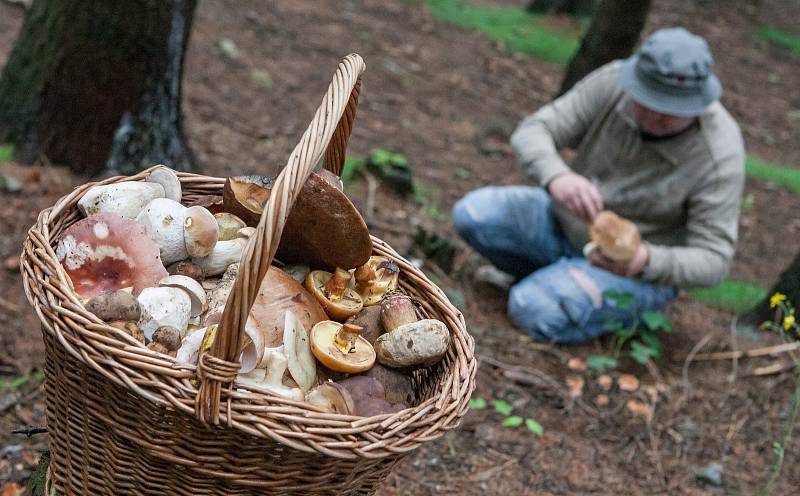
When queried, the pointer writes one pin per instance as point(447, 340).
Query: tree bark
point(788, 284)
point(613, 34)
point(96, 85)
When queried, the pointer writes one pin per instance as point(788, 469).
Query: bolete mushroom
point(117, 305)
point(186, 268)
point(409, 342)
point(126, 199)
point(167, 178)
point(212, 203)
point(228, 225)
point(340, 348)
point(398, 386)
point(224, 254)
point(106, 252)
point(375, 278)
point(339, 301)
point(359, 395)
point(197, 295)
point(616, 238)
point(370, 319)
point(164, 306)
point(179, 232)
point(245, 196)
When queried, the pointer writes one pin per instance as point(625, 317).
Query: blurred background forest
point(446, 83)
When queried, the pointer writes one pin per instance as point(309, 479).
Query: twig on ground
point(756, 352)
point(30, 431)
point(691, 357)
point(774, 368)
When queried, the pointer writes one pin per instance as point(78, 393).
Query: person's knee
point(463, 221)
point(538, 313)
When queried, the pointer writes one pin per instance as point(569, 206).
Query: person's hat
point(671, 74)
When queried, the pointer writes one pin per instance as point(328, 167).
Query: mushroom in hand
point(616, 238)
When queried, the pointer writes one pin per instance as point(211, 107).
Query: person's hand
point(578, 194)
point(630, 269)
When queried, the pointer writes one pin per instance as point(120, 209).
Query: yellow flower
point(776, 299)
point(788, 322)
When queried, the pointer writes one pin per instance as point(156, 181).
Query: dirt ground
point(430, 90)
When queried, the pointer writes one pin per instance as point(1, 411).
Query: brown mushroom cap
point(200, 231)
point(616, 237)
point(361, 358)
point(370, 319)
point(368, 396)
point(213, 203)
point(106, 252)
point(349, 304)
point(324, 229)
point(398, 386)
point(245, 196)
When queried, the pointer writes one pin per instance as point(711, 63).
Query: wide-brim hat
point(671, 74)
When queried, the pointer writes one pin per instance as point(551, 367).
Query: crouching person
point(654, 145)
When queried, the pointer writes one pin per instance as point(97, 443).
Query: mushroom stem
point(336, 285)
point(346, 337)
point(396, 310)
point(365, 276)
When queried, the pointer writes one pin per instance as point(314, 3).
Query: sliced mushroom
point(167, 178)
point(126, 199)
point(164, 307)
point(340, 348)
point(273, 380)
point(193, 288)
point(375, 278)
point(228, 225)
point(409, 342)
point(297, 349)
point(616, 238)
point(107, 252)
point(200, 231)
point(331, 291)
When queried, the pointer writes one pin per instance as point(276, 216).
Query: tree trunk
point(96, 84)
point(788, 284)
point(613, 34)
point(578, 8)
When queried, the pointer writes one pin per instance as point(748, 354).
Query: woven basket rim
point(162, 380)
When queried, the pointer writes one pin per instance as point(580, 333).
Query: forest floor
point(432, 91)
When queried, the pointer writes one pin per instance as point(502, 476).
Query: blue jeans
point(559, 295)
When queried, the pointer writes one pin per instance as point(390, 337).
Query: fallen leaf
point(575, 385)
point(605, 382)
point(640, 409)
point(628, 383)
point(9, 489)
point(601, 400)
point(576, 364)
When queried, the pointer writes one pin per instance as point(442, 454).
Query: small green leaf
point(262, 77)
point(500, 406)
point(601, 362)
point(228, 47)
point(462, 173)
point(477, 404)
point(651, 341)
point(534, 426)
point(656, 320)
point(640, 352)
point(6, 152)
point(620, 300)
point(513, 421)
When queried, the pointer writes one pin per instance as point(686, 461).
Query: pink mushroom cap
point(106, 252)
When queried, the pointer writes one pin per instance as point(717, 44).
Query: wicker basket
point(125, 420)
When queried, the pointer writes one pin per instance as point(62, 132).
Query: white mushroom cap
point(164, 306)
point(163, 221)
point(192, 288)
point(200, 231)
point(223, 254)
point(167, 178)
point(126, 198)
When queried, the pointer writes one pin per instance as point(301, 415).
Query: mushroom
point(375, 278)
point(212, 203)
point(339, 301)
point(267, 322)
point(169, 337)
point(130, 328)
point(228, 225)
point(616, 238)
point(302, 366)
point(409, 342)
point(177, 229)
point(115, 306)
point(106, 252)
point(167, 178)
point(398, 386)
point(273, 379)
point(340, 348)
point(359, 395)
point(188, 269)
point(126, 198)
point(245, 196)
point(218, 296)
point(370, 319)
point(193, 288)
point(224, 254)
point(164, 306)
point(189, 350)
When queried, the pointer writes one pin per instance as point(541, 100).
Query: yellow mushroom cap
point(386, 273)
point(360, 359)
point(338, 309)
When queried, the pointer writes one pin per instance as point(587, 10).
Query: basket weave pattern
point(126, 420)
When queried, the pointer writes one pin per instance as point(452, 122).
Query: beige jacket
point(683, 193)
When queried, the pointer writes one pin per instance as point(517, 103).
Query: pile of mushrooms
point(328, 325)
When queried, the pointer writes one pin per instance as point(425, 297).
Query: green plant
point(788, 177)
point(6, 152)
point(732, 296)
point(642, 336)
point(785, 324)
point(390, 167)
point(514, 27)
point(504, 408)
point(777, 36)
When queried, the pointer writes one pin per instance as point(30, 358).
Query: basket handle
point(328, 133)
